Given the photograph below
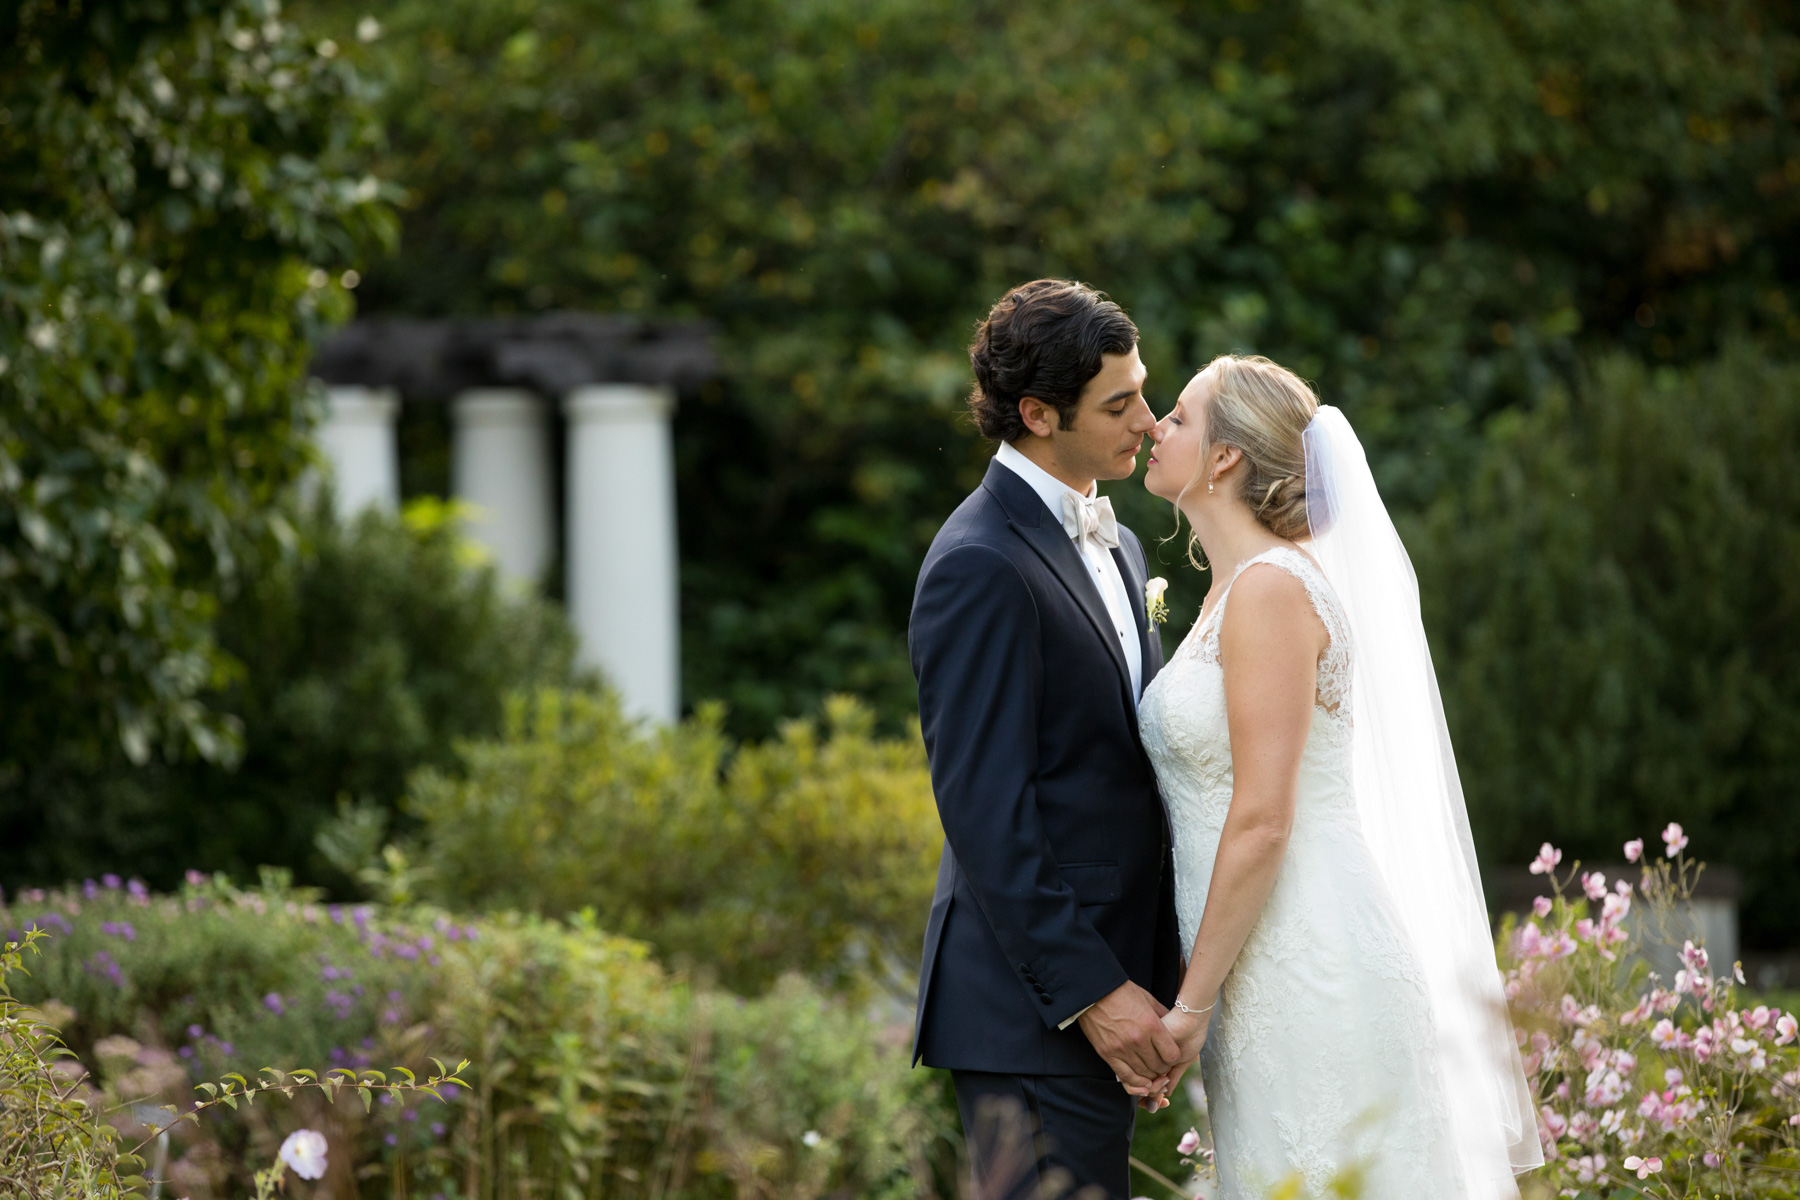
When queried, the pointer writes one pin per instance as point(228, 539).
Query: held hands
point(1127, 1026)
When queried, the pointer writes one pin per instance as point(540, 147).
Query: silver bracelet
point(1195, 1012)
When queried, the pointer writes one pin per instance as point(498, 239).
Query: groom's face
point(1108, 429)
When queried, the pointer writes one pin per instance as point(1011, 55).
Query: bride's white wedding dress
point(1319, 1059)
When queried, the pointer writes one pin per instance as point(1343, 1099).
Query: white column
point(358, 439)
point(500, 464)
point(621, 541)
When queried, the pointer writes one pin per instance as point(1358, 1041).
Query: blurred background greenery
point(1542, 252)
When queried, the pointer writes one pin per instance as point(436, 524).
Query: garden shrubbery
point(592, 1071)
point(815, 851)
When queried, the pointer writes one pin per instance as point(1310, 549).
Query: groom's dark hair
point(1043, 339)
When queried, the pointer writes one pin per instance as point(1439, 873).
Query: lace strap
point(1334, 660)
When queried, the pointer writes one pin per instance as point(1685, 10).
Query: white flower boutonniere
point(1154, 605)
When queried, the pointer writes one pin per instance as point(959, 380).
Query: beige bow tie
point(1084, 518)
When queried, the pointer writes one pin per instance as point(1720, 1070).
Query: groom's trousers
point(1046, 1137)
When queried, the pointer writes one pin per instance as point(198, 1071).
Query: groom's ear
point(1040, 418)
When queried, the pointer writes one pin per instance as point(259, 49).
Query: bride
point(1341, 976)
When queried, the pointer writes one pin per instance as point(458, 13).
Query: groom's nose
point(1142, 419)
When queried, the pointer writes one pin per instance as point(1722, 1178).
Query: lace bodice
point(1317, 1058)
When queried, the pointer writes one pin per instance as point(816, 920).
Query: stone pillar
point(358, 439)
point(621, 541)
point(500, 464)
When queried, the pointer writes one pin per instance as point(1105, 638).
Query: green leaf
point(368, 1097)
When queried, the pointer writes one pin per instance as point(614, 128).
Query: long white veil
point(1413, 814)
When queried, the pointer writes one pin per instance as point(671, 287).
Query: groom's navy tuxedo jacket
point(1056, 884)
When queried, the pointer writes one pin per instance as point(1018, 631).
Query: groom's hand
point(1126, 1027)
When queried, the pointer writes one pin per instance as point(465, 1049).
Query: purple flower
point(406, 950)
point(43, 920)
point(112, 882)
point(195, 878)
point(122, 929)
point(340, 1005)
point(274, 1003)
point(89, 888)
point(437, 1129)
point(225, 1048)
point(470, 932)
point(391, 1140)
point(138, 890)
point(186, 1052)
point(411, 1114)
point(425, 942)
point(449, 1090)
point(103, 966)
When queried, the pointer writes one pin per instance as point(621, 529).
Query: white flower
point(1155, 606)
point(368, 29)
point(811, 1138)
point(304, 1151)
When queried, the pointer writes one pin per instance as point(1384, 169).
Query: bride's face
point(1180, 440)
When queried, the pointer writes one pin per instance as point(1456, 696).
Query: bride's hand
point(1188, 1030)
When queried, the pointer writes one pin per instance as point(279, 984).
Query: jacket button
point(1045, 999)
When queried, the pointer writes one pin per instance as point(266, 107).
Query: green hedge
point(1615, 614)
point(593, 1070)
point(815, 851)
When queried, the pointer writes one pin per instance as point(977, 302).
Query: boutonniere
point(1154, 605)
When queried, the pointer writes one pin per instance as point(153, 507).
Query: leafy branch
point(233, 1088)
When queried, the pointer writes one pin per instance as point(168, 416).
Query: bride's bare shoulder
point(1270, 605)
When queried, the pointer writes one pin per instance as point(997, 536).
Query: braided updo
point(1263, 409)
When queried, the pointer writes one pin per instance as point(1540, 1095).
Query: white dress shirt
point(1101, 568)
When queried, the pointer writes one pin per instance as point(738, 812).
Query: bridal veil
point(1413, 815)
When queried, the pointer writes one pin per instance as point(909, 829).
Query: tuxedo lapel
point(1029, 519)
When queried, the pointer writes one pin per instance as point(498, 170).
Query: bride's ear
point(1221, 458)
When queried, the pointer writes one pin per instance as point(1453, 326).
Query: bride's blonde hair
point(1263, 409)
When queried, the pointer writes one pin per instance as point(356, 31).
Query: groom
point(1052, 946)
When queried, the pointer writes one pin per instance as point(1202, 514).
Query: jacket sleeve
point(977, 654)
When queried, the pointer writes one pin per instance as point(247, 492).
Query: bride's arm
point(1269, 644)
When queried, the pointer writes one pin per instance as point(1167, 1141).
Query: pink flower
point(1674, 840)
point(1759, 1017)
point(1634, 849)
point(1664, 1034)
point(1604, 1088)
point(1786, 1027)
point(1190, 1142)
point(1589, 1166)
point(1645, 1167)
point(1541, 906)
point(1594, 884)
point(1615, 908)
point(1545, 862)
point(1710, 1159)
point(1554, 1123)
point(1695, 957)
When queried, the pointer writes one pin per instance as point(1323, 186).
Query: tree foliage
point(1616, 620)
point(370, 651)
point(1431, 210)
point(174, 180)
